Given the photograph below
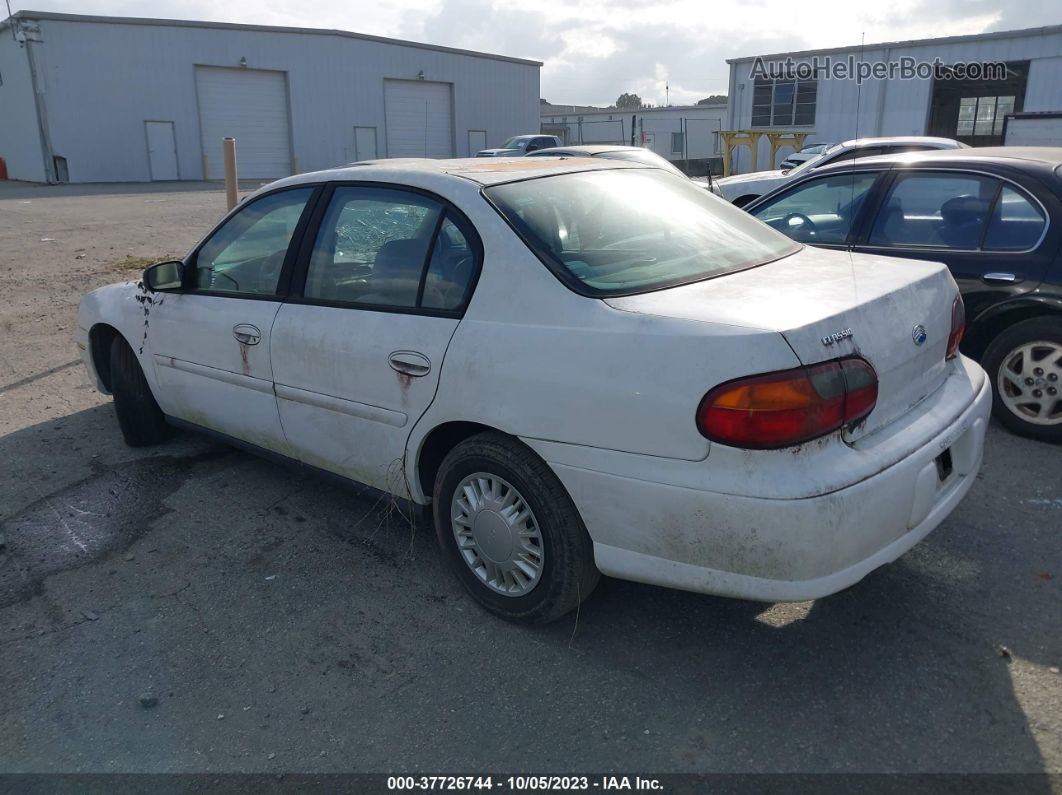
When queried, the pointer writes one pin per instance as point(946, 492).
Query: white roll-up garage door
point(418, 118)
point(251, 106)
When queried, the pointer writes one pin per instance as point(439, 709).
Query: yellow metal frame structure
point(751, 138)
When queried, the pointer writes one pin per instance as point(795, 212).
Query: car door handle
point(409, 363)
point(247, 334)
point(1000, 278)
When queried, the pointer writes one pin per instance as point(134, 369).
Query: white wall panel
point(20, 140)
point(419, 119)
point(335, 83)
point(901, 107)
point(251, 106)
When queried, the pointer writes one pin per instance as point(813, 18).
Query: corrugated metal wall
point(20, 141)
point(102, 80)
point(654, 128)
point(901, 107)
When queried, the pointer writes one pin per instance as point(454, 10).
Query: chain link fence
point(693, 145)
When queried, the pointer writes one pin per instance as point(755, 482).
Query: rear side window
point(819, 211)
point(386, 248)
point(450, 270)
point(372, 247)
point(1016, 224)
point(624, 231)
point(939, 210)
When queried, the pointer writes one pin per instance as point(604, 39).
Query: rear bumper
point(777, 549)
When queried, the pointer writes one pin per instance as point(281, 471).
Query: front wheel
point(1025, 365)
point(510, 531)
point(139, 416)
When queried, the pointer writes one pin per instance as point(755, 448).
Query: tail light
point(958, 325)
point(765, 412)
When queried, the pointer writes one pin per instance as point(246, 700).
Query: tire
point(1005, 355)
point(139, 416)
point(564, 572)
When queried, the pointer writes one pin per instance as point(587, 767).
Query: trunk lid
point(831, 304)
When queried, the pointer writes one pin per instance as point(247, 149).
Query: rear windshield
point(624, 231)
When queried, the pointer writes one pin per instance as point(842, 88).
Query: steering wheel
point(269, 275)
point(806, 224)
point(222, 275)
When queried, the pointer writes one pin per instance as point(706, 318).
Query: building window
point(784, 103)
point(678, 143)
point(983, 115)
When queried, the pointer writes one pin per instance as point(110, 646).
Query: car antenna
point(851, 200)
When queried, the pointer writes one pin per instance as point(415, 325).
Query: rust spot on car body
point(405, 381)
point(245, 365)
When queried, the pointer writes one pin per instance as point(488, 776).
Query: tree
point(629, 101)
point(714, 99)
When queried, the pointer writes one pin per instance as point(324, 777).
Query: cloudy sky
point(594, 50)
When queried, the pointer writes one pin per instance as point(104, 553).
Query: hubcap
point(497, 534)
point(1028, 382)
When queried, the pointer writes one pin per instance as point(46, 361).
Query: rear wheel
point(1025, 365)
point(139, 416)
point(510, 531)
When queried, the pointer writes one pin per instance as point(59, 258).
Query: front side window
point(940, 210)
point(246, 254)
point(820, 210)
point(623, 231)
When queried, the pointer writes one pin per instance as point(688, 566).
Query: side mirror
point(164, 276)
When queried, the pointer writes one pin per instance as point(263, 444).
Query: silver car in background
point(743, 188)
point(634, 154)
point(520, 145)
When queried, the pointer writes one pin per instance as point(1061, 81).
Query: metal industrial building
point(102, 99)
point(687, 135)
point(832, 110)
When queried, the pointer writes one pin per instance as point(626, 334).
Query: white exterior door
point(477, 140)
point(250, 105)
point(357, 362)
point(210, 342)
point(365, 143)
point(162, 150)
point(419, 119)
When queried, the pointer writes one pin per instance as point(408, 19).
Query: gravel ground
point(192, 608)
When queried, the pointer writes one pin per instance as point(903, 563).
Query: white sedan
point(585, 366)
point(743, 188)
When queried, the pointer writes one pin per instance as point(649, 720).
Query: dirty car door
point(210, 342)
point(356, 358)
